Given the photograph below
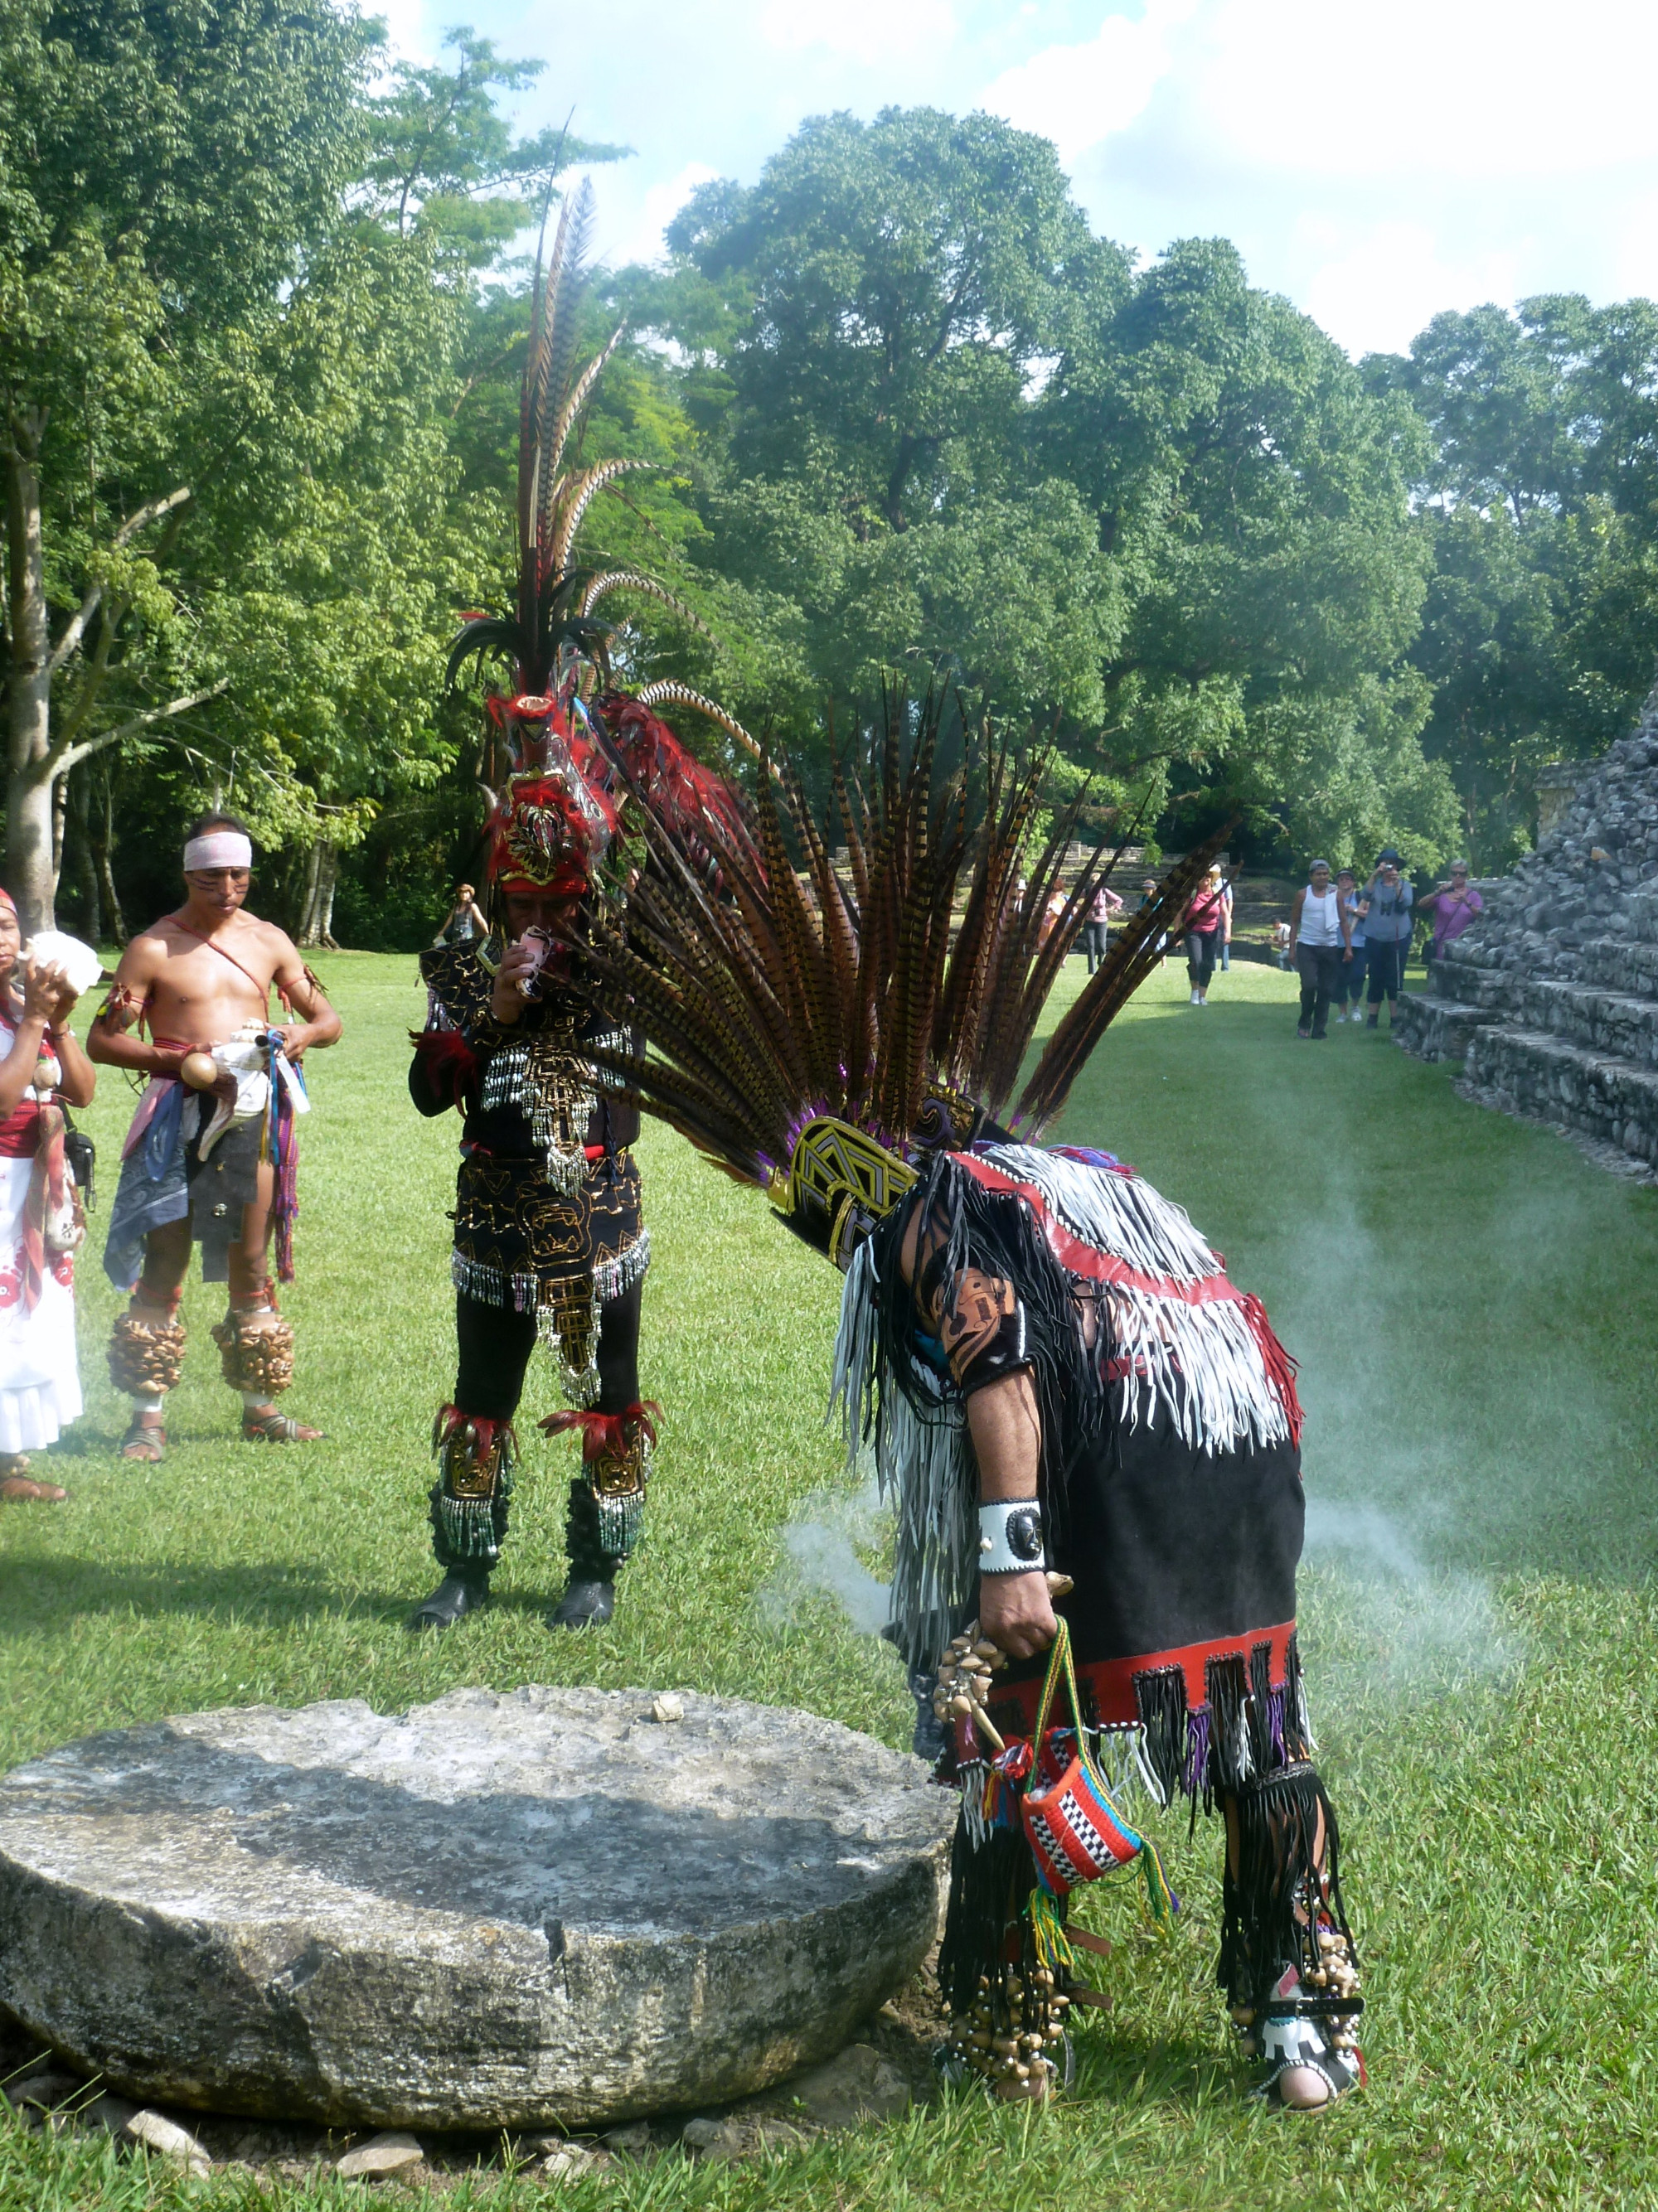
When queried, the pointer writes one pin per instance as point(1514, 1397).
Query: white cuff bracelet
point(1010, 1540)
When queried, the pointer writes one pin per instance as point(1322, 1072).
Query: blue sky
point(1376, 162)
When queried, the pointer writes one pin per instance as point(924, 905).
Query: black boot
point(589, 1601)
point(589, 1598)
point(463, 1590)
point(469, 1519)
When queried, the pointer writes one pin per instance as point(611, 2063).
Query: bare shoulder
point(276, 948)
point(148, 951)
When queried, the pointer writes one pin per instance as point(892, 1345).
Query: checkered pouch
point(1075, 1831)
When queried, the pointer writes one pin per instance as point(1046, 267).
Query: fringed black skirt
point(1183, 1616)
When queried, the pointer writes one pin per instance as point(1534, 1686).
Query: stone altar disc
point(543, 1908)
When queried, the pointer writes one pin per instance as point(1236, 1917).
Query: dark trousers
point(1094, 942)
point(1320, 968)
point(1202, 947)
point(1351, 982)
point(1387, 965)
point(495, 1344)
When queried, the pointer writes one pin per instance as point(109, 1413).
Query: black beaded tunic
point(549, 1212)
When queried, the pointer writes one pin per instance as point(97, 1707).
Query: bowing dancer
point(1088, 1433)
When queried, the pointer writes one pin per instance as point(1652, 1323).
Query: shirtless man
point(201, 978)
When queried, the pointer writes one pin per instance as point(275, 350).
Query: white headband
point(219, 849)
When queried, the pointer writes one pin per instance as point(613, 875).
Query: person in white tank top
point(1320, 940)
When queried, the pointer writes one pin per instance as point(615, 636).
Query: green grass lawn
point(1474, 1309)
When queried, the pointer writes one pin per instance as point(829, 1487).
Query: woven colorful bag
point(1075, 1831)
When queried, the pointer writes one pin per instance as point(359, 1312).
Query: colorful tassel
point(1160, 1898)
point(1048, 1936)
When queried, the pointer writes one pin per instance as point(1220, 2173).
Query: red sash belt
point(1012, 1705)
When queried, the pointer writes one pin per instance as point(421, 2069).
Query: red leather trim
point(1081, 1259)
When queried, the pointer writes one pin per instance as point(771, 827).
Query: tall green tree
point(1538, 489)
point(937, 424)
point(163, 172)
point(241, 284)
point(1255, 498)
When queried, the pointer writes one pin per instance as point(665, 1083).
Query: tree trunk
point(85, 860)
point(328, 876)
point(317, 908)
point(104, 847)
point(30, 876)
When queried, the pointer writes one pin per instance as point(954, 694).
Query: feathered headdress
point(553, 822)
point(816, 1028)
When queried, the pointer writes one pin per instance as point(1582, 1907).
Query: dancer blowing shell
point(1088, 1434)
point(42, 1069)
point(210, 1157)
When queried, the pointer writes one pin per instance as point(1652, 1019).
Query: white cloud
point(1076, 95)
point(1632, 268)
point(637, 235)
point(1391, 282)
point(1470, 89)
point(405, 29)
point(867, 31)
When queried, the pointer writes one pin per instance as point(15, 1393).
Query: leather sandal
point(1301, 2032)
point(271, 1428)
point(145, 1440)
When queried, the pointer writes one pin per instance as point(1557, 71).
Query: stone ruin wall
point(1550, 999)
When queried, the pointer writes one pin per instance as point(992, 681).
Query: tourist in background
point(42, 1070)
point(1388, 921)
point(1454, 904)
point(1096, 927)
point(1320, 947)
point(1204, 921)
point(1148, 892)
point(465, 924)
point(1349, 989)
point(1053, 915)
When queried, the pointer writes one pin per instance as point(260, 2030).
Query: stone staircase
point(1550, 1001)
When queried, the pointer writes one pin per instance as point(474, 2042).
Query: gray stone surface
point(1436, 1028)
point(393, 2152)
point(167, 2139)
point(1550, 999)
point(540, 1909)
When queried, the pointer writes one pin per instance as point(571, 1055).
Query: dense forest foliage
point(262, 314)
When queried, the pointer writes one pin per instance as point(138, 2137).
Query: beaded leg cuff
point(470, 1498)
point(1283, 1908)
point(256, 1350)
point(145, 1356)
point(607, 1505)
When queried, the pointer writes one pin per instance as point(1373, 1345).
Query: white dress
point(39, 1374)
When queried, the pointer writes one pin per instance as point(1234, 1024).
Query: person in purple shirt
point(1454, 905)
